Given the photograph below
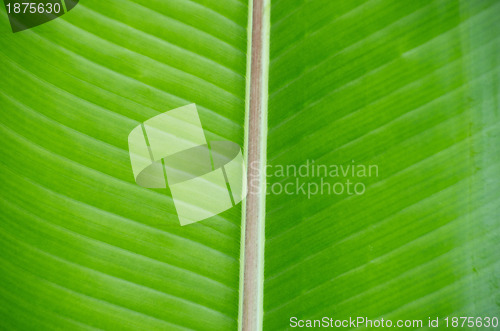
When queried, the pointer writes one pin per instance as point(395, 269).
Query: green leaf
point(411, 87)
point(83, 246)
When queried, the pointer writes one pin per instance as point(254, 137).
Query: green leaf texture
point(410, 86)
point(83, 246)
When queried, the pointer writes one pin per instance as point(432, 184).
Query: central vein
point(252, 276)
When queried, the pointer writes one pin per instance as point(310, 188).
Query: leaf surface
point(408, 87)
point(411, 87)
point(83, 246)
